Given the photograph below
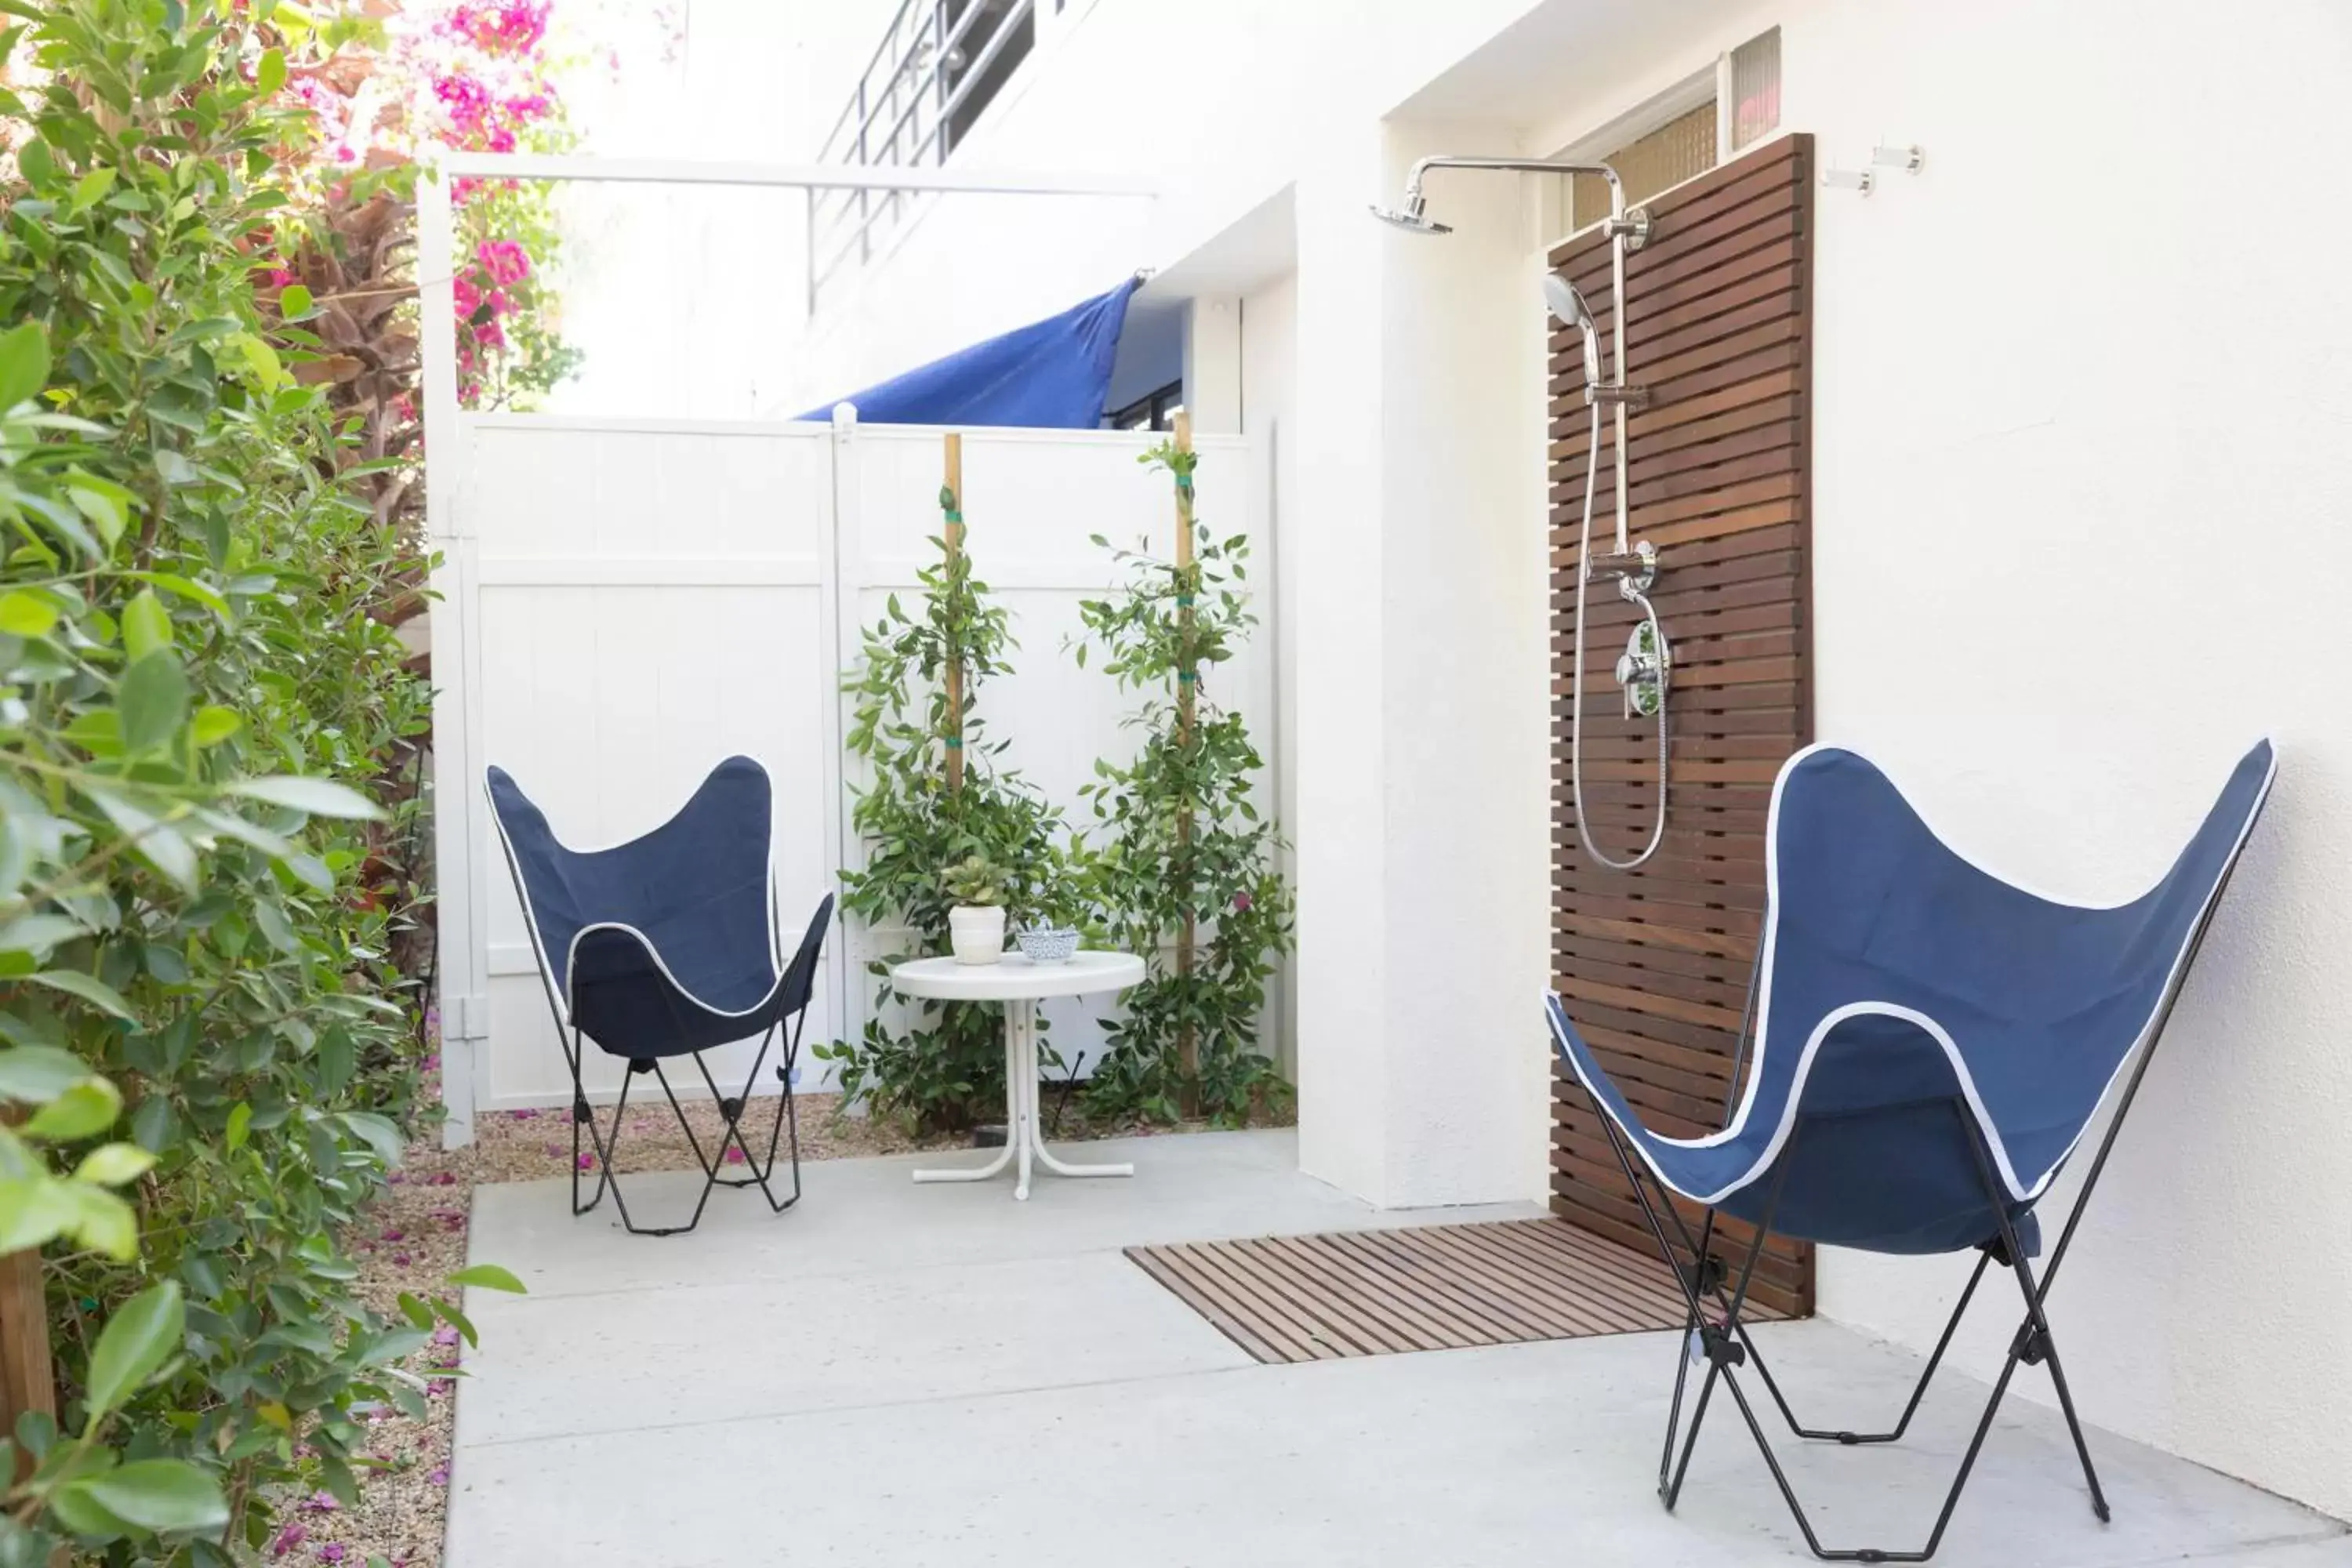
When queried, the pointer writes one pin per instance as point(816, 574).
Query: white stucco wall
point(2079, 409)
point(2081, 529)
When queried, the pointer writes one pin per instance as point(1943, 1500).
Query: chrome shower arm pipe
point(1619, 231)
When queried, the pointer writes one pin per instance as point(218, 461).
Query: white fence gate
point(624, 602)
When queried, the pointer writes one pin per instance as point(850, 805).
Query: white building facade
point(2082, 528)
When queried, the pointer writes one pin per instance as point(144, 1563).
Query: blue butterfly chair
point(1931, 1043)
point(666, 946)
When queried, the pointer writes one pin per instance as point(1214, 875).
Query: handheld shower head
point(1569, 308)
point(1412, 217)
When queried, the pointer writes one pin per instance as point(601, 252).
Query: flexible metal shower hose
point(1576, 687)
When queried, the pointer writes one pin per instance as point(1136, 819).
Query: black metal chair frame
point(1726, 1344)
point(730, 1110)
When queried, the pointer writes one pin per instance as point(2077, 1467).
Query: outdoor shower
point(1646, 669)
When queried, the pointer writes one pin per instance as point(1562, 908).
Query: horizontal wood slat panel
point(1655, 964)
point(1386, 1292)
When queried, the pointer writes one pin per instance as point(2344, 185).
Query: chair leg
point(607, 1152)
point(733, 1109)
point(2033, 1341)
point(1727, 1346)
point(1910, 1409)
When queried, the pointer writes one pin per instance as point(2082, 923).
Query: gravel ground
point(414, 1237)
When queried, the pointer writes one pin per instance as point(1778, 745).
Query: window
point(1153, 411)
point(1695, 139)
point(1681, 149)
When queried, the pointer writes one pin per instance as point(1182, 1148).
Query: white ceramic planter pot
point(977, 933)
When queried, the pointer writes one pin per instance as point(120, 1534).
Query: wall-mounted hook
point(1907, 159)
point(1860, 180)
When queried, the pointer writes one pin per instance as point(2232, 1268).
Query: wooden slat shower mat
point(1444, 1286)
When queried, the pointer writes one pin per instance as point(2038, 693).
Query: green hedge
point(199, 1016)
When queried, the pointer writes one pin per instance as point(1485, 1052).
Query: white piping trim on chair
point(2018, 1190)
point(572, 953)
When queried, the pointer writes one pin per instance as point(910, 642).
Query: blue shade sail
point(1052, 374)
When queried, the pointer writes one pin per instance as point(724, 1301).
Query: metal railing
point(936, 61)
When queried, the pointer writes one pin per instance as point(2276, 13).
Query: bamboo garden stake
point(1188, 679)
point(951, 504)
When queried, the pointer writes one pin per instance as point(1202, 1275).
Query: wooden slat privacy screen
point(1655, 963)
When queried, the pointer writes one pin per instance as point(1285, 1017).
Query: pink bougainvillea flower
point(400, 1258)
point(734, 1155)
point(506, 261)
point(331, 1553)
point(1242, 901)
point(444, 1335)
point(321, 1502)
point(439, 1476)
point(392, 1236)
point(292, 1536)
point(586, 1161)
point(446, 1179)
point(525, 1115)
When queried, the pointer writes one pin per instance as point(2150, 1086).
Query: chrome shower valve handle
point(1646, 667)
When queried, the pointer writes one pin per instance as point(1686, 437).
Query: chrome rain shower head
point(1414, 216)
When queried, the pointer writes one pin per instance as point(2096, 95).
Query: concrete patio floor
point(903, 1375)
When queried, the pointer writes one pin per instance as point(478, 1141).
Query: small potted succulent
point(976, 920)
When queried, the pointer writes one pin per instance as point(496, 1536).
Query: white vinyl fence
point(626, 602)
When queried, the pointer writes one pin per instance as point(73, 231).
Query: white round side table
point(1020, 986)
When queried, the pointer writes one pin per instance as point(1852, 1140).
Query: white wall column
point(1212, 365)
point(1422, 686)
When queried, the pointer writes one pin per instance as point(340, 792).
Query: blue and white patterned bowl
point(1046, 945)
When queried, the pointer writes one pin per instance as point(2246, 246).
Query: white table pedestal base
point(1024, 1140)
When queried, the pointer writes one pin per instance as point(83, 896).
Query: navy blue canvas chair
point(666, 946)
point(1931, 1045)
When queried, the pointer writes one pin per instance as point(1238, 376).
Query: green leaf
point(214, 724)
point(89, 987)
point(240, 1125)
point(146, 626)
point(24, 354)
point(33, 1075)
point(105, 509)
point(378, 1133)
point(320, 797)
point(489, 1276)
point(270, 74)
point(33, 1210)
point(294, 303)
point(87, 1109)
point(150, 1124)
point(24, 615)
point(159, 1495)
point(337, 1058)
point(102, 1222)
point(111, 1164)
point(91, 188)
point(143, 1333)
point(152, 701)
point(392, 1344)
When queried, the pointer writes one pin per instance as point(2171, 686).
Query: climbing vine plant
point(1185, 871)
point(937, 796)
